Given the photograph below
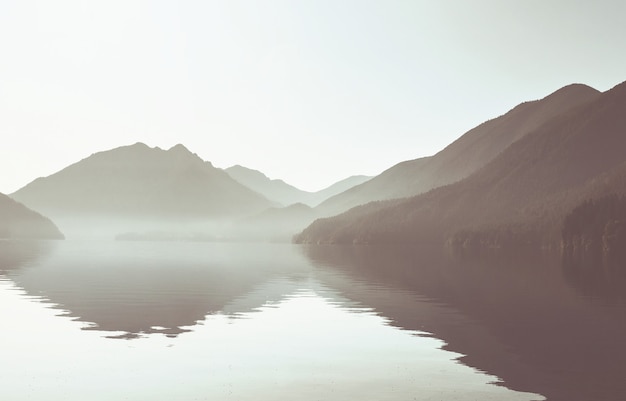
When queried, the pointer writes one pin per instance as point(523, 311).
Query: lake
point(107, 320)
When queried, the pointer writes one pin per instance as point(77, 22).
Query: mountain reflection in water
point(209, 321)
point(539, 326)
point(126, 287)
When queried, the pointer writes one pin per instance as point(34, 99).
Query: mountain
point(139, 183)
point(464, 156)
point(521, 196)
point(18, 221)
point(281, 223)
point(339, 187)
point(277, 224)
point(284, 194)
point(275, 190)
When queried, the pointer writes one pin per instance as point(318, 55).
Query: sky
point(308, 91)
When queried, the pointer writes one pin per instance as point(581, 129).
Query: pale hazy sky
point(307, 91)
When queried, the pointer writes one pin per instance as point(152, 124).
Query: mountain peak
point(137, 186)
point(134, 148)
point(179, 148)
point(239, 170)
point(573, 90)
point(180, 152)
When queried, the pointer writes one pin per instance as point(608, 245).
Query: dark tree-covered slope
point(558, 160)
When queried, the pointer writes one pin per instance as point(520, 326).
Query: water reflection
point(540, 326)
point(15, 255)
point(141, 288)
point(599, 282)
point(242, 322)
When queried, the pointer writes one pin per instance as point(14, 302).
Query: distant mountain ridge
point(275, 190)
point(293, 211)
point(515, 166)
point(137, 191)
point(137, 179)
point(19, 222)
point(285, 194)
point(138, 182)
point(464, 156)
point(520, 195)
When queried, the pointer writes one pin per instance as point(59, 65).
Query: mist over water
point(190, 320)
point(179, 280)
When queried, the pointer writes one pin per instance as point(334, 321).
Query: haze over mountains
point(139, 185)
point(144, 192)
point(521, 196)
point(512, 179)
point(277, 224)
point(284, 194)
point(138, 180)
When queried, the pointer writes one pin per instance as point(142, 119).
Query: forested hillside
point(518, 199)
point(464, 156)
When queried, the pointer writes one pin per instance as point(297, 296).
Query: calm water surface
point(102, 320)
